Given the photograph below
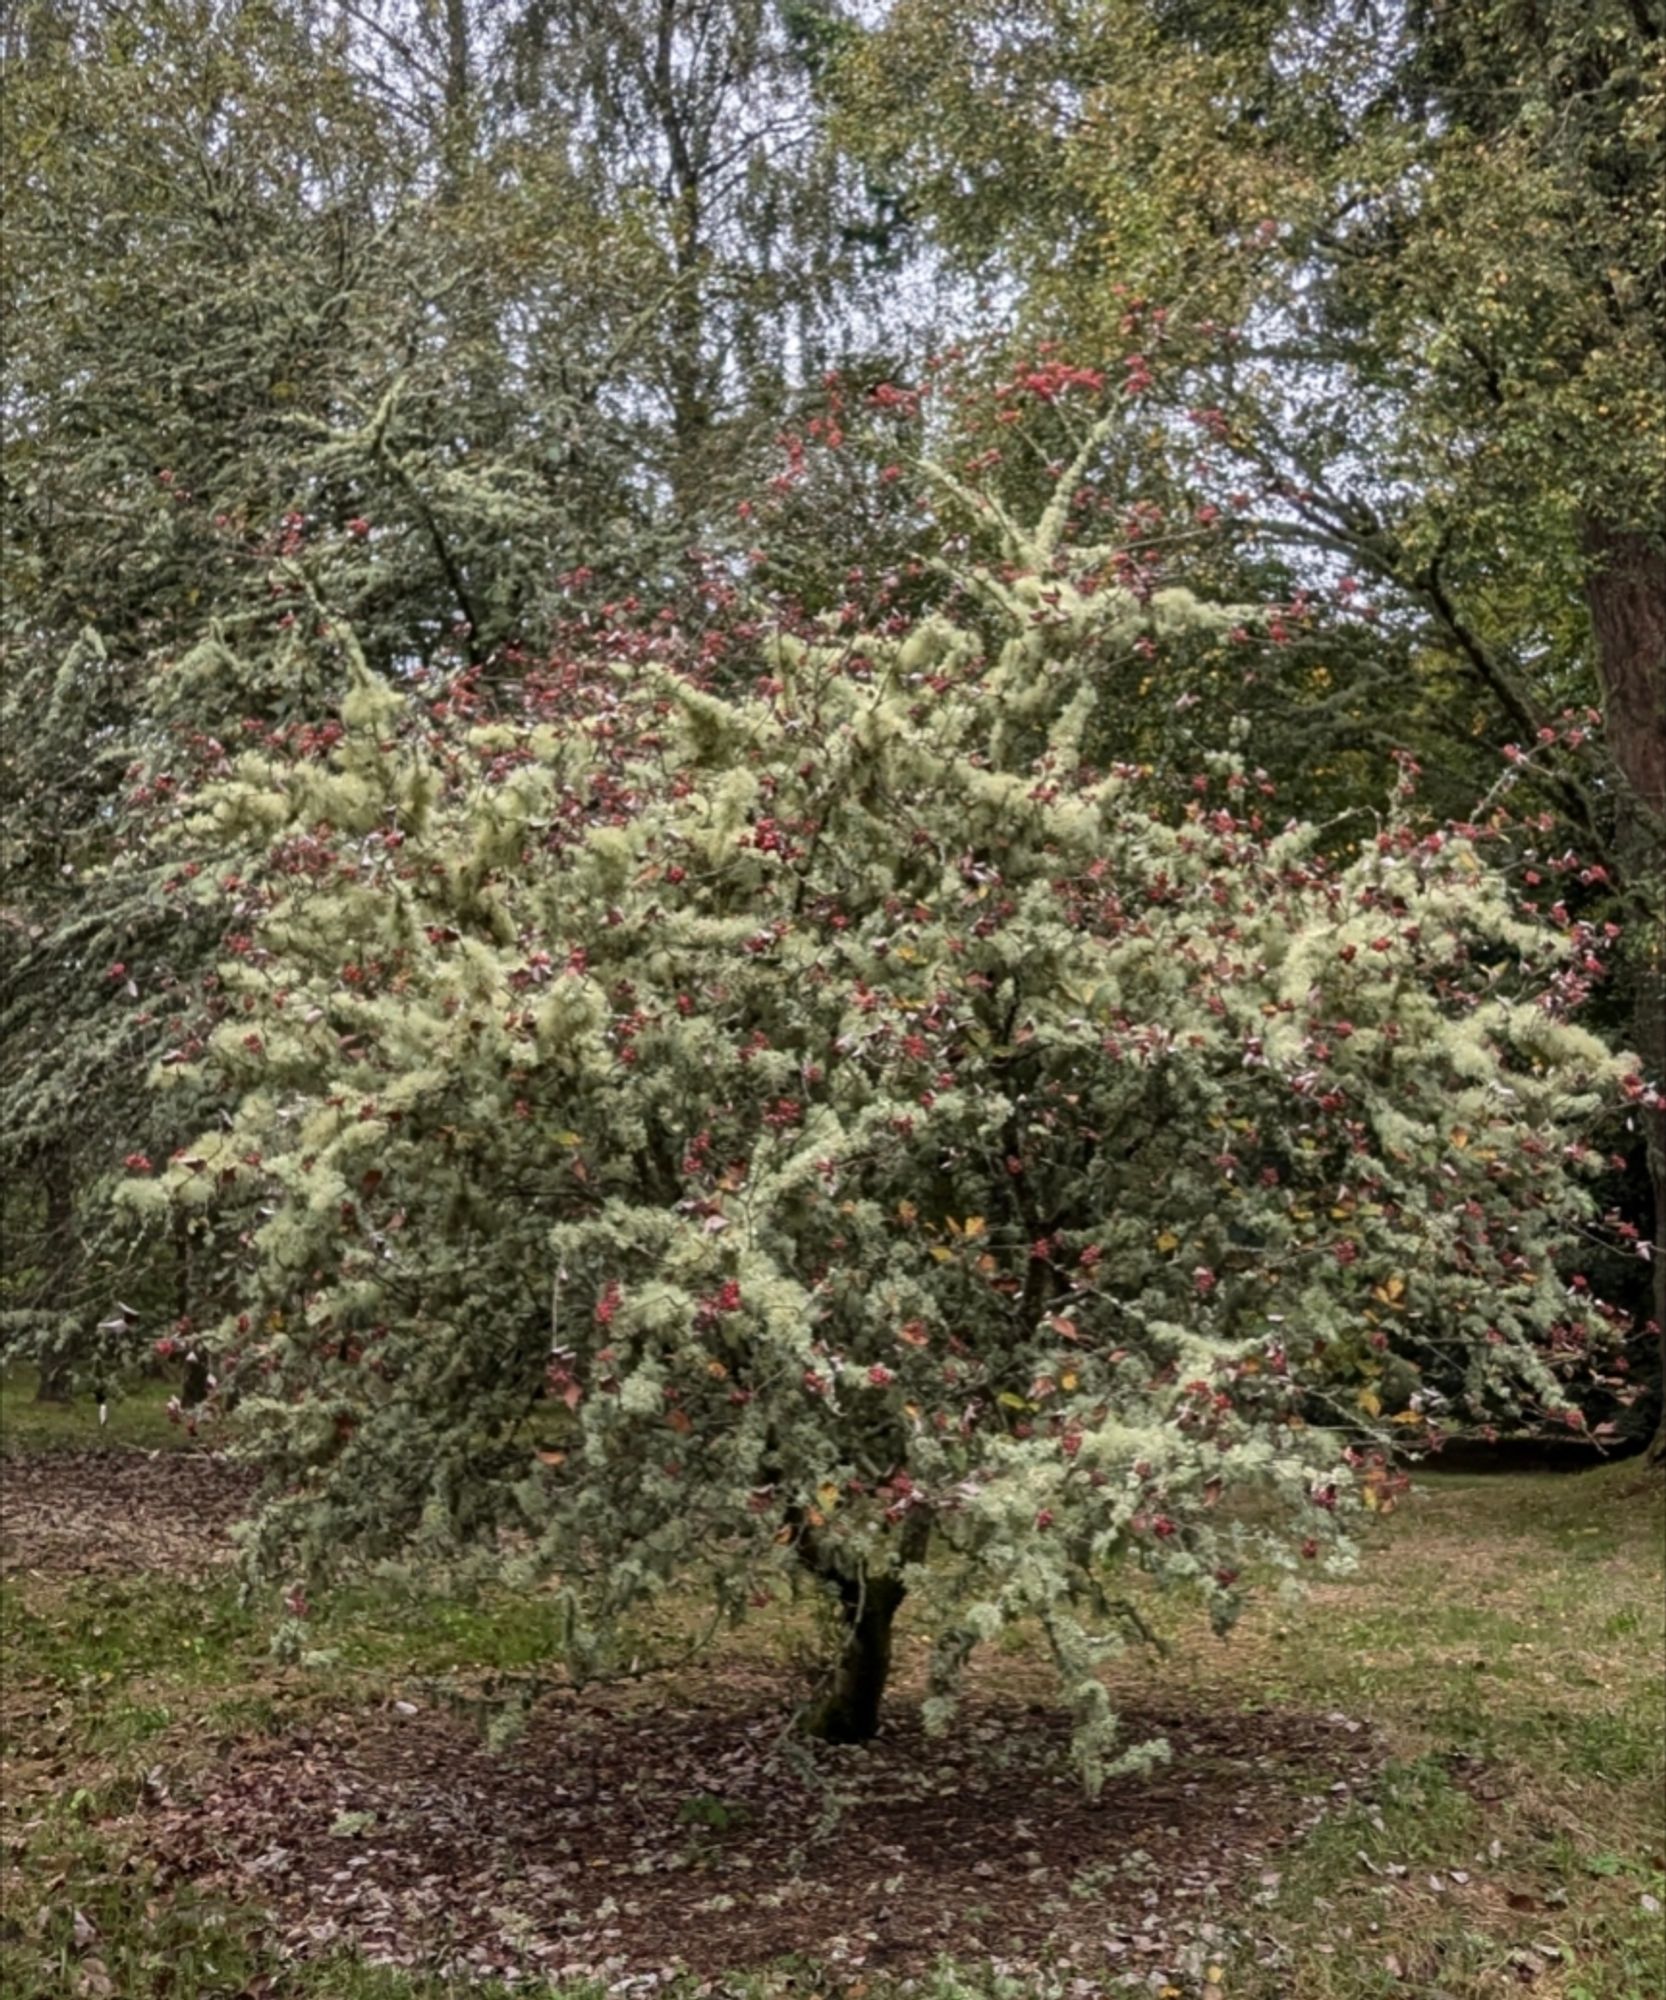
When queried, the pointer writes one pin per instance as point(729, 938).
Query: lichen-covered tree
point(838, 1129)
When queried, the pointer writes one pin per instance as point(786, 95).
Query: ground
point(1442, 1777)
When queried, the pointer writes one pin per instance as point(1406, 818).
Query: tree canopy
point(874, 1124)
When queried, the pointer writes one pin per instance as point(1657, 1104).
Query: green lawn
point(137, 1416)
point(1504, 1640)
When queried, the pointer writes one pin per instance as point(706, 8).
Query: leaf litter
point(111, 1511)
point(630, 1843)
point(634, 1834)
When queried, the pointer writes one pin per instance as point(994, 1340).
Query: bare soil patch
point(630, 1842)
point(110, 1511)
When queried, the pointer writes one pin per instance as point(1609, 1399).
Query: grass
point(1504, 1636)
point(1508, 1639)
point(137, 1415)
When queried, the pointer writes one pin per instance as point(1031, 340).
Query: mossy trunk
point(848, 1712)
point(848, 1708)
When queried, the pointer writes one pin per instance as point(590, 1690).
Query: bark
point(194, 1388)
point(848, 1710)
point(53, 1375)
point(1626, 594)
point(691, 411)
point(52, 1379)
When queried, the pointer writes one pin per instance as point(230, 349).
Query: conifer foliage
point(844, 1125)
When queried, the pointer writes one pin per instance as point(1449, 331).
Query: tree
point(872, 1129)
point(264, 295)
point(1435, 235)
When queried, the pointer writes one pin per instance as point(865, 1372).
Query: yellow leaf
point(1168, 1241)
point(1406, 1417)
point(1008, 1401)
point(568, 1139)
point(1395, 1287)
point(939, 1254)
point(828, 1494)
point(1370, 1497)
point(906, 1211)
point(974, 1225)
point(1460, 1139)
point(1370, 1402)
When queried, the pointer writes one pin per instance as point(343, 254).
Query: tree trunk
point(848, 1709)
point(691, 411)
point(55, 1362)
point(1657, 1445)
point(1625, 590)
point(52, 1378)
point(194, 1389)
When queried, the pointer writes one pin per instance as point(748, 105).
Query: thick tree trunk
point(848, 1709)
point(1626, 592)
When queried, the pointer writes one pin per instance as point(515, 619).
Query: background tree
point(388, 293)
point(1434, 237)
